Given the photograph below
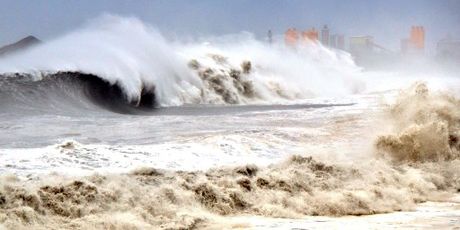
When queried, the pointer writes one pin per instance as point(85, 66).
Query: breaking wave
point(425, 126)
point(422, 165)
point(134, 62)
point(66, 92)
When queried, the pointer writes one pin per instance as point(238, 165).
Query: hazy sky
point(387, 20)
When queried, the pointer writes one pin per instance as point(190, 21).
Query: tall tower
point(310, 35)
point(415, 44)
point(337, 41)
point(325, 35)
point(417, 37)
point(333, 41)
point(270, 37)
point(291, 37)
point(341, 41)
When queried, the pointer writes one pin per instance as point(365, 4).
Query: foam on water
point(192, 171)
point(326, 184)
point(135, 56)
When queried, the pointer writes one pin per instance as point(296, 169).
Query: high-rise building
point(333, 41)
point(416, 41)
point(291, 37)
point(337, 41)
point(448, 48)
point(325, 35)
point(310, 35)
point(340, 41)
point(417, 37)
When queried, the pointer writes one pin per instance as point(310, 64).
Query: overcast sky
point(387, 20)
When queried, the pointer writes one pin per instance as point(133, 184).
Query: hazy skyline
point(388, 21)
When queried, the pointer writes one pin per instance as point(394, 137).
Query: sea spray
point(425, 126)
point(299, 186)
point(135, 57)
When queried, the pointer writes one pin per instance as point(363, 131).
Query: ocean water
point(113, 126)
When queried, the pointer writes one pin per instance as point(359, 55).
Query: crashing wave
point(426, 126)
point(151, 198)
point(127, 56)
point(66, 92)
point(420, 170)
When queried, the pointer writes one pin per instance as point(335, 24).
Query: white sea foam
point(134, 55)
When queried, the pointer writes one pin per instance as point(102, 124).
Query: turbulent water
point(113, 126)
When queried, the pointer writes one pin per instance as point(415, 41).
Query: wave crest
point(136, 58)
point(65, 92)
point(156, 198)
point(426, 126)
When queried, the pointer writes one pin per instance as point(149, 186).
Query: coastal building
point(448, 48)
point(291, 37)
point(361, 45)
point(310, 35)
point(337, 41)
point(415, 44)
point(325, 35)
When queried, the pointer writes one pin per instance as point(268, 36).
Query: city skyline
point(387, 21)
